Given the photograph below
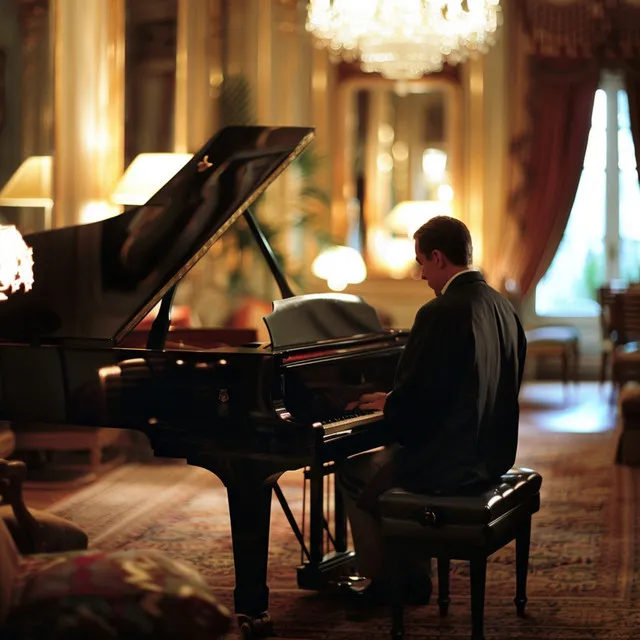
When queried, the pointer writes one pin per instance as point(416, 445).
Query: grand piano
point(246, 412)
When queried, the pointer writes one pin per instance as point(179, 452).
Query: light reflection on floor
point(583, 408)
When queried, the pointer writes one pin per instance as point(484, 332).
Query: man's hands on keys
point(372, 401)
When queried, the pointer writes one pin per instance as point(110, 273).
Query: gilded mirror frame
point(344, 179)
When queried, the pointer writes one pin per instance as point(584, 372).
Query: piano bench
point(469, 526)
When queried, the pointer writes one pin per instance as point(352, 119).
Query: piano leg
point(249, 488)
point(250, 514)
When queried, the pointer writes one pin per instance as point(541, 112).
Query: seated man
point(454, 405)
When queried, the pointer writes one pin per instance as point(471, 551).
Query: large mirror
point(398, 166)
point(26, 114)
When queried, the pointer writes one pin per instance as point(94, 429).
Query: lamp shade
point(30, 185)
point(146, 175)
point(339, 266)
point(16, 262)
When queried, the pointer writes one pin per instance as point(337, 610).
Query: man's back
point(455, 402)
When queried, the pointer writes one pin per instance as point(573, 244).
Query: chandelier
point(16, 262)
point(404, 39)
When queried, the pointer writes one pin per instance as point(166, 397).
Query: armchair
point(33, 531)
point(88, 593)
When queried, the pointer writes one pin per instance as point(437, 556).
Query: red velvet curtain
point(562, 93)
point(632, 82)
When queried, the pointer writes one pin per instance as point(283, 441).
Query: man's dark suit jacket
point(454, 406)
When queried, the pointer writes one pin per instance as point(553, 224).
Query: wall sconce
point(16, 262)
point(339, 266)
point(146, 175)
point(30, 186)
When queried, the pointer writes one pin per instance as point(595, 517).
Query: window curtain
point(632, 85)
point(561, 93)
point(554, 49)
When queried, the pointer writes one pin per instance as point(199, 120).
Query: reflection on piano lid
point(95, 282)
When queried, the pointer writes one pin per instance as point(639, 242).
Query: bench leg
point(443, 586)
point(397, 592)
point(523, 540)
point(478, 569)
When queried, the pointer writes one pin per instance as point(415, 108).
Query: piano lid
point(97, 281)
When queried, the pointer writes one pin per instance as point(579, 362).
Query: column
point(474, 109)
point(88, 108)
point(198, 72)
point(495, 157)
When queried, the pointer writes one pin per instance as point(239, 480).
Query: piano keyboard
point(350, 421)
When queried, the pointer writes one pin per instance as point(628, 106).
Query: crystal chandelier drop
point(404, 39)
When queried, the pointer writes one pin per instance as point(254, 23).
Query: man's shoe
point(377, 593)
point(417, 591)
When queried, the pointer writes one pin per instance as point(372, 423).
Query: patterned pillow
point(122, 594)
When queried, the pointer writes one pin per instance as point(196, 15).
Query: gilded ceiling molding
point(603, 29)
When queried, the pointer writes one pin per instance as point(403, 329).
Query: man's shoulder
point(439, 308)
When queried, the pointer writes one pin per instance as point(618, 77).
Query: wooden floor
point(586, 407)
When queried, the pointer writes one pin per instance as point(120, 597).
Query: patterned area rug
point(584, 568)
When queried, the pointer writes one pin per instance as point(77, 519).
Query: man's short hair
point(448, 235)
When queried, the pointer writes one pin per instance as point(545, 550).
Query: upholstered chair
point(561, 341)
point(94, 594)
point(33, 531)
point(7, 440)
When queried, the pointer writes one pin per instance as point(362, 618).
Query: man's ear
point(439, 257)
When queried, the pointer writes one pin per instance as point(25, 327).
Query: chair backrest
point(606, 300)
point(625, 316)
point(9, 561)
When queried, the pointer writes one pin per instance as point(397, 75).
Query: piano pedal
point(254, 628)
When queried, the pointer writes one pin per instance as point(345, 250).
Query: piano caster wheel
point(253, 628)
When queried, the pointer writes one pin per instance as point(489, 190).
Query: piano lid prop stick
point(160, 327)
point(267, 252)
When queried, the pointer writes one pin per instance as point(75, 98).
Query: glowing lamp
point(146, 175)
point(408, 216)
point(16, 262)
point(30, 186)
point(339, 266)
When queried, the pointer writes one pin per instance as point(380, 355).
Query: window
point(602, 240)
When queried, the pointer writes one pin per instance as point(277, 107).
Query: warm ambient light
point(408, 216)
point(146, 175)
point(404, 39)
point(339, 266)
point(30, 186)
point(16, 262)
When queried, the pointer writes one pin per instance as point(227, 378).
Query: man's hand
point(375, 401)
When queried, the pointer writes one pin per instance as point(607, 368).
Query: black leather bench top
point(518, 486)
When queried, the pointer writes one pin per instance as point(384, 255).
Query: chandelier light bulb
point(16, 262)
point(404, 39)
